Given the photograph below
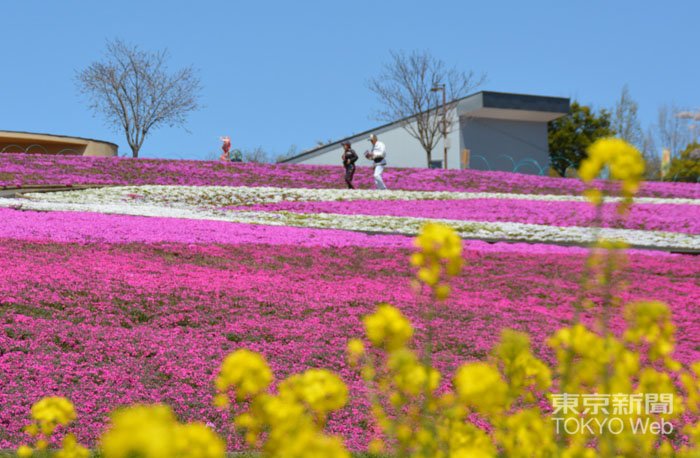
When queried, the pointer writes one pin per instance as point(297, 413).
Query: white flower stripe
point(391, 224)
point(222, 196)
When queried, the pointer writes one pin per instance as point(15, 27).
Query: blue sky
point(283, 73)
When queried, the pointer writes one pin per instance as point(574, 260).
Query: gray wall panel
point(504, 145)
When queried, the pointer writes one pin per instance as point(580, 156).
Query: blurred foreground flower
point(623, 161)
point(439, 257)
point(152, 431)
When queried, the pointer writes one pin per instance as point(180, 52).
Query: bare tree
point(625, 120)
point(212, 156)
point(257, 155)
point(671, 130)
point(693, 117)
point(404, 89)
point(135, 92)
point(292, 151)
point(652, 171)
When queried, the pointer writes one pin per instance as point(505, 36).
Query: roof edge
point(366, 132)
point(57, 136)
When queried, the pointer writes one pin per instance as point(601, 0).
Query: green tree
point(686, 167)
point(570, 135)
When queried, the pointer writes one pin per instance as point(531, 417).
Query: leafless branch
point(672, 130)
point(404, 85)
point(135, 93)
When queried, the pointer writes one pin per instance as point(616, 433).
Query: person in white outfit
point(378, 156)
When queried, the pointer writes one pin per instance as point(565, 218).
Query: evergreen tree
point(570, 135)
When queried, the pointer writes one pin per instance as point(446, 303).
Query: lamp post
point(441, 87)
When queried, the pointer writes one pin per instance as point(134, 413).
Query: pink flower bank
point(114, 316)
point(110, 310)
point(30, 169)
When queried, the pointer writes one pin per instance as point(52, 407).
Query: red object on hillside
point(226, 147)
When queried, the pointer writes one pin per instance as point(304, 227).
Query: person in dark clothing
point(349, 159)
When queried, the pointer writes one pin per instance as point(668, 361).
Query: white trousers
point(378, 170)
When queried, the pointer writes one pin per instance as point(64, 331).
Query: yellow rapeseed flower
point(221, 401)
point(196, 440)
point(595, 196)
point(72, 449)
point(521, 368)
point(439, 257)
point(439, 239)
point(409, 375)
point(52, 411)
point(527, 433)
point(152, 431)
point(480, 386)
point(146, 431)
point(650, 322)
point(307, 443)
point(355, 350)
point(624, 162)
point(319, 389)
point(32, 429)
point(465, 440)
point(24, 451)
point(376, 446)
point(278, 411)
point(246, 372)
point(387, 328)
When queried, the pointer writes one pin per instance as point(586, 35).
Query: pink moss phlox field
point(29, 169)
point(659, 217)
point(111, 310)
point(79, 227)
point(112, 324)
point(85, 227)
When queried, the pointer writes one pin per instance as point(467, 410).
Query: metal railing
point(516, 166)
point(14, 148)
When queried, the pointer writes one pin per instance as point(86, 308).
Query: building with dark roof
point(490, 131)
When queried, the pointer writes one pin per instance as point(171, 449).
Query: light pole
point(441, 87)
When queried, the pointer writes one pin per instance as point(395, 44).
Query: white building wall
point(500, 131)
point(402, 149)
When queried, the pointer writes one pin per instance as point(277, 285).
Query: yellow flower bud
point(624, 162)
point(375, 446)
point(442, 291)
point(355, 349)
point(594, 196)
point(32, 429)
point(246, 372)
point(440, 254)
point(387, 328)
point(221, 401)
point(403, 433)
point(24, 451)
